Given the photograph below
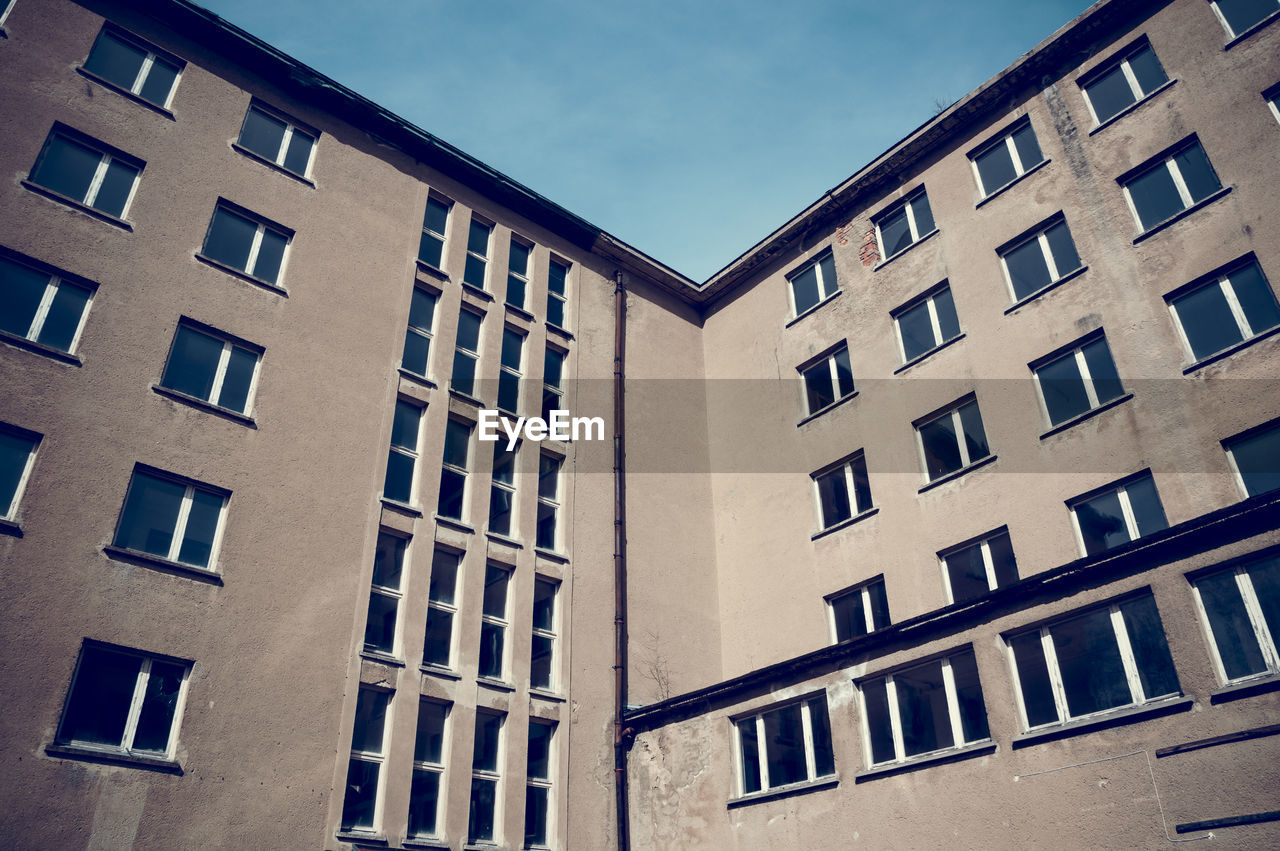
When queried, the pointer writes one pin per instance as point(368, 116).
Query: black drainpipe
point(621, 736)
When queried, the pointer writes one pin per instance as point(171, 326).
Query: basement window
point(1173, 183)
point(1117, 514)
point(1227, 308)
point(814, 283)
point(784, 746)
point(1123, 81)
point(976, 568)
point(1241, 605)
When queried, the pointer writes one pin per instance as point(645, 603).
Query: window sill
point(1260, 25)
point(433, 271)
point(401, 507)
point(151, 763)
point(416, 378)
point(955, 474)
point(141, 101)
point(466, 397)
point(1124, 715)
point(520, 312)
point(1070, 276)
point(821, 304)
point(1216, 741)
point(162, 564)
point(1230, 350)
point(40, 348)
point(563, 332)
point(983, 748)
point(504, 540)
point(551, 555)
point(453, 523)
point(360, 838)
point(426, 842)
point(382, 658)
point(1087, 415)
point(886, 261)
point(242, 275)
point(926, 355)
point(846, 523)
point(207, 407)
point(837, 403)
point(1203, 202)
point(477, 292)
point(77, 205)
point(480, 845)
point(543, 694)
point(437, 671)
point(1133, 106)
point(9, 527)
point(496, 685)
point(828, 782)
point(276, 167)
point(1246, 688)
point(1013, 182)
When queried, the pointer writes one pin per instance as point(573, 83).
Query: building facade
point(947, 514)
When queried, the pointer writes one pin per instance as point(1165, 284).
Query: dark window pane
point(159, 82)
point(504, 464)
point(1265, 577)
point(555, 312)
point(922, 710)
point(67, 167)
point(518, 259)
point(437, 216)
point(202, 527)
point(508, 392)
point(1002, 559)
point(544, 597)
point(879, 605)
point(1102, 523)
point(539, 763)
point(500, 505)
point(1197, 173)
point(468, 331)
point(452, 488)
point(424, 792)
point(230, 238)
point(833, 494)
point(1028, 271)
point(1033, 679)
point(417, 348)
point(750, 748)
point(429, 742)
point(995, 166)
point(1242, 14)
point(370, 722)
point(895, 232)
point(436, 645)
point(512, 344)
point(1063, 389)
point(844, 373)
point(1089, 658)
point(1147, 70)
point(1258, 460)
point(861, 484)
point(270, 255)
point(478, 239)
point(113, 194)
point(546, 531)
point(975, 436)
point(115, 60)
point(540, 662)
point(488, 732)
point(1233, 635)
point(404, 426)
point(548, 476)
point(99, 702)
point(1150, 651)
point(380, 627)
point(817, 385)
point(473, 272)
point(444, 578)
point(1110, 94)
point(1256, 298)
point(784, 746)
point(552, 368)
point(422, 309)
point(430, 249)
point(1063, 249)
point(967, 573)
point(262, 133)
point(916, 329)
point(361, 795)
point(298, 155)
point(827, 271)
point(1145, 503)
point(824, 761)
point(923, 214)
point(237, 379)
point(535, 816)
point(1155, 196)
point(14, 452)
point(515, 291)
point(945, 306)
point(159, 703)
point(973, 711)
point(1102, 371)
point(804, 286)
point(1024, 139)
point(557, 275)
point(879, 727)
point(941, 448)
point(21, 291)
point(398, 484)
point(1207, 320)
point(457, 439)
point(495, 591)
point(849, 617)
point(491, 641)
point(193, 363)
point(150, 514)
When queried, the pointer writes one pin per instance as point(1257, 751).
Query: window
point(548, 500)
point(453, 478)
point(844, 491)
point(1255, 455)
point(860, 610)
point(364, 769)
point(952, 440)
point(552, 382)
point(1177, 181)
point(518, 273)
point(814, 283)
point(925, 324)
point(537, 796)
point(211, 367)
point(17, 456)
point(403, 454)
point(1118, 515)
point(417, 337)
point(466, 352)
point(791, 744)
point(86, 171)
point(973, 569)
point(134, 66)
point(1120, 83)
point(428, 769)
point(241, 241)
point(493, 622)
point(542, 655)
point(1242, 608)
point(42, 307)
point(509, 370)
point(904, 225)
point(277, 140)
point(442, 609)
point(557, 282)
point(828, 380)
point(1086, 664)
point(1238, 16)
point(486, 768)
point(385, 594)
point(1215, 314)
point(124, 702)
point(1077, 381)
point(1004, 160)
point(1272, 98)
point(173, 518)
point(477, 253)
point(434, 225)
point(923, 709)
point(502, 493)
point(1033, 263)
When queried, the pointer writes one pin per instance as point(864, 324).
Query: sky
point(690, 129)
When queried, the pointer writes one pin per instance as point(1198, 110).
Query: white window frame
point(291, 127)
point(437, 768)
point(927, 299)
point(499, 450)
point(1006, 139)
point(895, 719)
point(472, 354)
point(863, 590)
point(906, 204)
point(1229, 444)
point(957, 426)
point(1223, 281)
point(220, 370)
point(379, 759)
point(414, 453)
point(251, 263)
point(555, 502)
point(1168, 161)
point(427, 333)
point(556, 390)
point(826, 289)
point(55, 281)
point(1076, 352)
point(144, 70)
point(464, 472)
point(106, 156)
point(829, 360)
point(563, 298)
point(5, 10)
point(10, 511)
point(1231, 33)
point(1272, 97)
point(548, 781)
point(1041, 239)
point(500, 622)
point(1135, 88)
point(482, 259)
point(988, 563)
point(452, 609)
point(515, 373)
point(447, 204)
point(1257, 622)
point(1126, 508)
point(494, 776)
point(810, 757)
point(549, 634)
point(855, 509)
point(184, 513)
point(524, 276)
point(395, 594)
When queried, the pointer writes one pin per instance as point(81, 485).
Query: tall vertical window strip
point(904, 225)
point(518, 274)
point(453, 476)
point(442, 609)
point(1006, 159)
point(926, 324)
point(1078, 381)
point(476, 268)
point(466, 353)
point(1225, 310)
point(428, 770)
point(814, 283)
point(1043, 259)
point(1122, 82)
point(277, 140)
point(557, 288)
point(548, 501)
point(434, 226)
point(542, 654)
point(494, 622)
point(41, 307)
point(952, 440)
point(791, 744)
point(243, 243)
point(360, 809)
point(1118, 515)
point(975, 569)
point(385, 594)
point(552, 382)
point(860, 610)
point(417, 337)
point(1161, 191)
point(829, 380)
point(134, 66)
point(210, 368)
point(17, 455)
point(1255, 455)
point(1242, 607)
point(502, 492)
point(173, 519)
point(537, 797)
point(1239, 16)
point(486, 773)
point(509, 370)
point(403, 456)
point(75, 167)
point(844, 491)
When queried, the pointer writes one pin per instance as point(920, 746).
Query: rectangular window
point(926, 323)
point(976, 568)
point(931, 707)
point(277, 139)
point(133, 65)
point(41, 306)
point(502, 492)
point(814, 283)
point(17, 456)
point(238, 239)
point(1118, 514)
point(783, 746)
point(1226, 309)
point(453, 476)
point(1242, 608)
point(428, 770)
point(1077, 381)
point(486, 773)
point(403, 455)
point(1107, 658)
point(385, 594)
point(858, 611)
point(87, 171)
point(1272, 97)
point(952, 440)
point(1123, 81)
point(1255, 456)
point(905, 224)
point(537, 796)
point(211, 367)
point(173, 518)
point(1034, 262)
point(542, 655)
point(442, 609)
point(494, 622)
point(1159, 191)
point(552, 382)
point(844, 491)
point(417, 337)
point(510, 370)
point(360, 810)
point(828, 380)
point(557, 298)
point(476, 269)
point(124, 702)
point(466, 353)
point(435, 224)
point(548, 501)
point(1007, 158)
point(518, 273)
point(1239, 16)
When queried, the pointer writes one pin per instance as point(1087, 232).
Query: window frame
point(396, 595)
point(1120, 487)
point(952, 410)
point(928, 299)
point(1039, 234)
point(525, 277)
point(56, 279)
point(907, 204)
point(863, 590)
point(262, 225)
point(1268, 644)
point(107, 154)
point(850, 478)
point(292, 127)
point(412, 453)
point(553, 390)
point(1232, 35)
point(825, 292)
point(1005, 137)
point(440, 769)
point(1167, 159)
point(10, 512)
point(180, 523)
point(154, 54)
point(810, 754)
point(499, 622)
point(550, 635)
point(474, 259)
point(493, 776)
point(462, 472)
point(452, 608)
point(561, 297)
point(426, 333)
point(440, 237)
point(1121, 59)
point(461, 351)
point(827, 359)
point(1222, 278)
point(1229, 444)
point(546, 783)
point(230, 342)
point(983, 543)
point(555, 502)
point(509, 488)
point(1272, 98)
point(380, 759)
point(1075, 351)
point(508, 373)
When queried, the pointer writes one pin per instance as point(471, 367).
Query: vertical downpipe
point(620, 743)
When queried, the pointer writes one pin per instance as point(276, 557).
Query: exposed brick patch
point(870, 253)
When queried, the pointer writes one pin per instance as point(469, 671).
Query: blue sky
point(688, 129)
